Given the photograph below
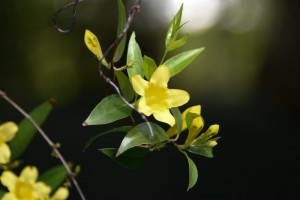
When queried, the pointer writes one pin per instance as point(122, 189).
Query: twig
point(74, 4)
point(113, 47)
point(47, 139)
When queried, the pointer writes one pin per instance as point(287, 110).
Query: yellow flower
point(8, 131)
point(26, 187)
point(156, 98)
point(92, 43)
point(196, 126)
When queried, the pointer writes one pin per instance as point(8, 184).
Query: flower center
point(155, 97)
point(23, 190)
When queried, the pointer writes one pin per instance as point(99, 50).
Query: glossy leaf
point(125, 85)
point(26, 130)
point(130, 159)
point(174, 27)
point(177, 115)
point(110, 109)
point(134, 58)
point(177, 63)
point(149, 67)
point(124, 129)
point(140, 135)
point(54, 177)
point(121, 24)
point(193, 172)
point(177, 43)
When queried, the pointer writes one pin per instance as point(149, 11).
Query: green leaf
point(134, 55)
point(121, 24)
point(174, 27)
point(2, 192)
point(202, 148)
point(177, 115)
point(177, 43)
point(54, 177)
point(149, 67)
point(140, 135)
point(177, 63)
point(193, 172)
point(125, 85)
point(130, 159)
point(124, 129)
point(189, 118)
point(110, 109)
point(26, 130)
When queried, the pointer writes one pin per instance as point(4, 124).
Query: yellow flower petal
point(143, 107)
point(8, 131)
point(194, 109)
point(196, 127)
point(92, 43)
point(9, 196)
point(177, 98)
point(4, 153)
point(139, 84)
point(29, 174)
point(61, 194)
point(41, 190)
point(161, 76)
point(8, 179)
point(165, 116)
point(211, 131)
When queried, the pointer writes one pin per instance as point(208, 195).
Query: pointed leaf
point(26, 130)
point(54, 177)
point(130, 159)
point(110, 109)
point(202, 148)
point(193, 172)
point(134, 55)
point(177, 115)
point(177, 43)
point(140, 135)
point(121, 24)
point(149, 67)
point(124, 129)
point(125, 85)
point(177, 63)
point(174, 27)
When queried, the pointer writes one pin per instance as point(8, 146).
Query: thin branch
point(47, 139)
point(113, 47)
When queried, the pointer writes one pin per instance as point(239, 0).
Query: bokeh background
point(247, 80)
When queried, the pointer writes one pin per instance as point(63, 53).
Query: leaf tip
point(85, 123)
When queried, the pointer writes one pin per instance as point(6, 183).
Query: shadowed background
point(246, 81)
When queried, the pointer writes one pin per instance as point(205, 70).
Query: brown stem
point(47, 139)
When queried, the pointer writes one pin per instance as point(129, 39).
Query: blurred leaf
point(26, 130)
point(134, 55)
point(177, 115)
point(110, 109)
point(177, 43)
point(54, 177)
point(130, 159)
point(177, 63)
point(193, 172)
point(114, 130)
point(149, 67)
point(125, 85)
point(140, 135)
point(174, 28)
point(2, 192)
point(121, 24)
